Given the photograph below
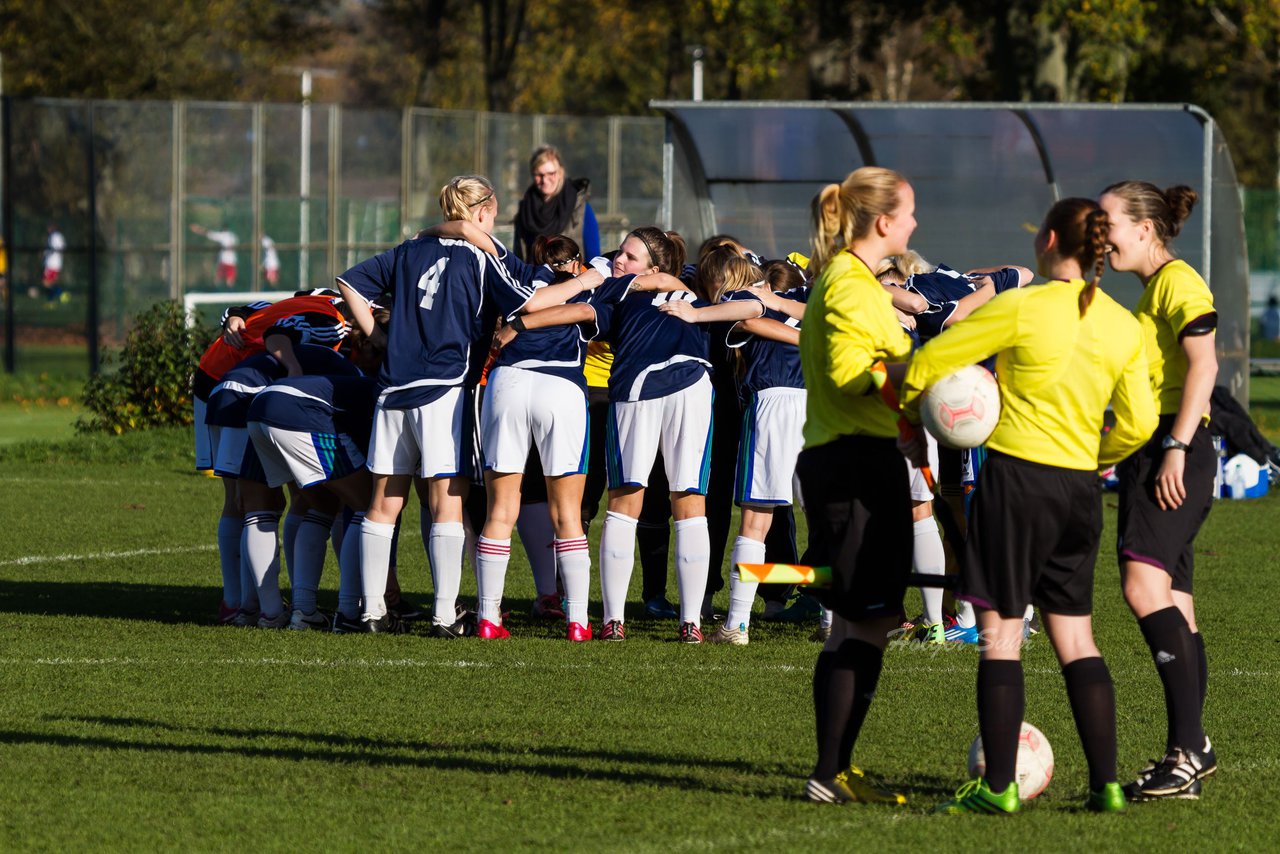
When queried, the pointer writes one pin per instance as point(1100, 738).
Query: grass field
point(129, 722)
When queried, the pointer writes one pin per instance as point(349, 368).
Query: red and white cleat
point(490, 631)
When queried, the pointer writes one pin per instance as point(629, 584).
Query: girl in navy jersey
point(765, 331)
point(660, 396)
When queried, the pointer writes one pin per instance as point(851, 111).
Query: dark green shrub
point(148, 383)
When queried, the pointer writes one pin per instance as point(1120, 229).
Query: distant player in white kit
point(225, 274)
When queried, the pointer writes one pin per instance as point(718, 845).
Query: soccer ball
point(1034, 768)
point(961, 410)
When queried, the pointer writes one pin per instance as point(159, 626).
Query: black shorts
point(1165, 538)
point(1033, 538)
point(857, 500)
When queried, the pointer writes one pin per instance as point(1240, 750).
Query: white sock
point(965, 616)
point(826, 618)
point(573, 561)
point(536, 535)
point(288, 541)
point(375, 566)
point(1030, 612)
point(617, 558)
point(444, 550)
point(229, 531)
point(929, 558)
point(492, 557)
point(262, 548)
point(693, 562)
point(311, 544)
point(742, 593)
point(349, 588)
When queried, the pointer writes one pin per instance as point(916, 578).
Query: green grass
point(129, 722)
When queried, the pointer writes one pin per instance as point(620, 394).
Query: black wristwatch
point(1171, 444)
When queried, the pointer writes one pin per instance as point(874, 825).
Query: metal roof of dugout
point(984, 176)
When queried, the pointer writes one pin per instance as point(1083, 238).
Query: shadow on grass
point(161, 603)
point(777, 780)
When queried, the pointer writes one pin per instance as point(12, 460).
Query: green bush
point(151, 387)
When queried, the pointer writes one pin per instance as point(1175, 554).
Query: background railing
point(125, 181)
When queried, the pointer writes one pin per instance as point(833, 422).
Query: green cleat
point(930, 633)
point(1108, 798)
point(864, 792)
point(976, 796)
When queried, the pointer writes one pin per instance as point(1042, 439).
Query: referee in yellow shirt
point(857, 499)
point(1064, 351)
point(1166, 488)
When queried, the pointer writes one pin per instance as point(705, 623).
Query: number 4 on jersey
point(669, 296)
point(429, 283)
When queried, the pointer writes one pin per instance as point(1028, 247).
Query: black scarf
point(551, 217)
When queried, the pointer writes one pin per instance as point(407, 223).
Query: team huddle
point(453, 367)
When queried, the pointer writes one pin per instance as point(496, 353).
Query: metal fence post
point(6, 190)
point(335, 161)
point(94, 285)
point(177, 234)
point(255, 198)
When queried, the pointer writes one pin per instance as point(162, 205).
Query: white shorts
point(679, 424)
point(920, 490)
point(236, 456)
point(206, 437)
point(428, 441)
point(303, 458)
point(772, 436)
point(523, 407)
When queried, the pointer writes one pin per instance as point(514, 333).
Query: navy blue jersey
point(436, 289)
point(555, 350)
point(943, 288)
point(654, 354)
point(229, 401)
point(319, 404)
point(767, 363)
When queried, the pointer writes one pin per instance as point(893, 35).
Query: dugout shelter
point(984, 176)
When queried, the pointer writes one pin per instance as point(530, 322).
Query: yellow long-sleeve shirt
point(1057, 372)
point(849, 325)
point(1173, 298)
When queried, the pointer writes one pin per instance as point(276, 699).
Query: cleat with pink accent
point(548, 608)
point(613, 631)
point(490, 631)
point(226, 614)
point(578, 633)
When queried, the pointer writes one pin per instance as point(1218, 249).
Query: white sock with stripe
point(929, 558)
point(492, 557)
point(573, 561)
point(262, 548)
point(230, 529)
point(444, 550)
point(742, 593)
point(375, 566)
point(349, 587)
point(617, 559)
point(693, 561)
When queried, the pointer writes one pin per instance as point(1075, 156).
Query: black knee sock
point(1093, 705)
point(1174, 651)
point(1203, 661)
point(844, 682)
point(1001, 703)
point(866, 661)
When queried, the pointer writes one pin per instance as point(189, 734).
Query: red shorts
point(226, 273)
point(273, 276)
point(50, 276)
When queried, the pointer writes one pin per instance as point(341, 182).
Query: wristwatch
point(1171, 444)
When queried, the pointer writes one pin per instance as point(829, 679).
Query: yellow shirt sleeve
point(1134, 407)
point(990, 329)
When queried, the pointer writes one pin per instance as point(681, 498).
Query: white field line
point(31, 560)
point(462, 664)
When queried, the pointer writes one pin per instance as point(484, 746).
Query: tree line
point(587, 57)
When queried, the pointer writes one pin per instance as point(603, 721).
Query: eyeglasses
point(566, 262)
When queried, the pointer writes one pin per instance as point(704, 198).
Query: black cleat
point(387, 624)
point(344, 625)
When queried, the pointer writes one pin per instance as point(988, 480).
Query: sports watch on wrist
point(1171, 444)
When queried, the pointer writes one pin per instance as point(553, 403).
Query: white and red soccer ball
point(961, 410)
point(1034, 767)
